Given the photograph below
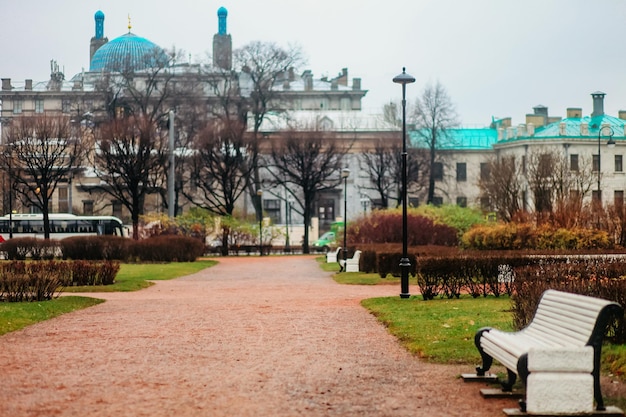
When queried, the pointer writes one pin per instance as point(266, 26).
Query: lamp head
point(345, 173)
point(403, 78)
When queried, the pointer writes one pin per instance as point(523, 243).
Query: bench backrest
point(356, 256)
point(567, 319)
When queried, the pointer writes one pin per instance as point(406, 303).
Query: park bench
point(563, 328)
point(331, 256)
point(351, 264)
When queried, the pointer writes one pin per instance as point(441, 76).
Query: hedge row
point(165, 248)
point(515, 236)
point(39, 281)
point(602, 277)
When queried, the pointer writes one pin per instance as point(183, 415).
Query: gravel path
point(270, 336)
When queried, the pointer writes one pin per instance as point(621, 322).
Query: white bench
point(351, 264)
point(331, 256)
point(561, 321)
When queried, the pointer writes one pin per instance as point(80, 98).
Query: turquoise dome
point(128, 52)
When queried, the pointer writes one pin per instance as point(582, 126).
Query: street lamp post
point(610, 143)
point(405, 264)
point(345, 173)
point(259, 194)
point(287, 214)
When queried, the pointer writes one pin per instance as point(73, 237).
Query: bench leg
point(597, 391)
point(487, 360)
point(507, 386)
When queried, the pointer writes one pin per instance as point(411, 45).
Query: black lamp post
point(287, 215)
point(345, 173)
point(405, 264)
point(610, 143)
point(259, 194)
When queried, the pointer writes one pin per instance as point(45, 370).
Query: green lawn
point(15, 316)
point(441, 330)
point(131, 277)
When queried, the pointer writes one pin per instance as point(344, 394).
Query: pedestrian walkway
point(252, 336)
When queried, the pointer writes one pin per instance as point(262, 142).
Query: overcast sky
point(495, 57)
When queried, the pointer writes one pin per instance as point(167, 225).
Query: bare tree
point(129, 160)
point(219, 168)
point(306, 163)
point(433, 115)
point(41, 153)
point(383, 165)
point(262, 65)
point(504, 186)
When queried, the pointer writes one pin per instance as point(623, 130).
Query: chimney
point(574, 112)
point(356, 83)
point(342, 78)
point(598, 103)
point(333, 85)
point(541, 110)
point(29, 85)
point(531, 129)
point(307, 77)
point(6, 84)
point(622, 114)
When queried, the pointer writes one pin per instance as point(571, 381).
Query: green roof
point(573, 129)
point(456, 139)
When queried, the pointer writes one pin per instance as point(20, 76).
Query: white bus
point(62, 225)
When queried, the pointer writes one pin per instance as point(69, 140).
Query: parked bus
point(62, 225)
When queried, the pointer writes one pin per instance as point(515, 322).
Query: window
point(271, 208)
point(485, 204)
point(63, 200)
point(596, 195)
point(461, 171)
point(573, 162)
point(437, 201)
point(17, 106)
point(485, 171)
point(88, 207)
point(438, 171)
point(523, 164)
point(117, 208)
point(413, 201)
point(38, 105)
point(461, 201)
point(595, 163)
point(619, 167)
point(326, 209)
point(618, 199)
point(66, 106)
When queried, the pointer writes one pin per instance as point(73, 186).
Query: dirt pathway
point(272, 336)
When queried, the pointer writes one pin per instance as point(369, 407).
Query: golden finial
point(129, 25)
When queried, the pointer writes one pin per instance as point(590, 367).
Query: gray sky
point(495, 57)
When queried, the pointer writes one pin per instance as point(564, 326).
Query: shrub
point(515, 236)
point(386, 227)
point(32, 281)
point(602, 277)
point(168, 248)
point(93, 273)
point(95, 248)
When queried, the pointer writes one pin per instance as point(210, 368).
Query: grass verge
point(15, 316)
point(133, 277)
